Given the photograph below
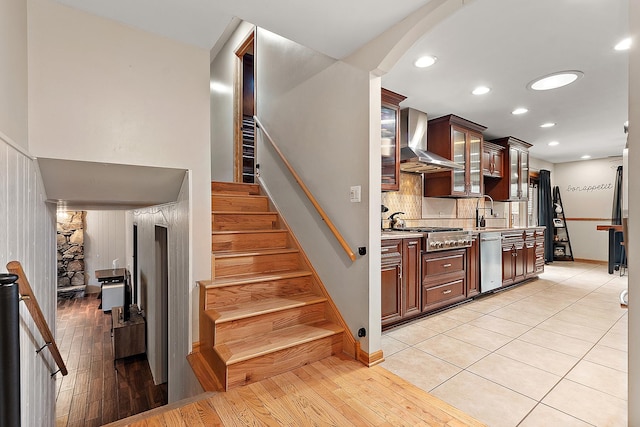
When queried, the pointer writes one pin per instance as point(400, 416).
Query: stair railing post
point(9, 351)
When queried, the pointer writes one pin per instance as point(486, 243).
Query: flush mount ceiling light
point(547, 125)
point(553, 143)
point(623, 44)
point(555, 80)
point(425, 61)
point(481, 90)
point(585, 157)
point(519, 111)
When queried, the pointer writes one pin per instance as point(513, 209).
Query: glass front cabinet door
point(460, 140)
point(390, 139)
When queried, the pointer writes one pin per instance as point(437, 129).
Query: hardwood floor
point(95, 393)
point(333, 391)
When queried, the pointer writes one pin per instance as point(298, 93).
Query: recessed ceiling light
point(481, 90)
point(555, 80)
point(585, 157)
point(518, 111)
point(553, 143)
point(623, 44)
point(425, 61)
point(547, 125)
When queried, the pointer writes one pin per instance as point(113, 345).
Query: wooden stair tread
point(253, 278)
point(239, 195)
point(252, 347)
point(240, 254)
point(242, 213)
point(276, 230)
point(205, 375)
point(258, 307)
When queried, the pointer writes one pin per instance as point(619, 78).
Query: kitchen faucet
point(480, 222)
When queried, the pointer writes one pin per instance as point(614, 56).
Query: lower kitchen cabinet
point(513, 259)
point(444, 278)
point(473, 267)
point(391, 281)
point(522, 255)
point(400, 280)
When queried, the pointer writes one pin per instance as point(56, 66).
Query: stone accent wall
point(70, 238)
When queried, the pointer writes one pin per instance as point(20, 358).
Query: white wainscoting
point(28, 235)
point(176, 218)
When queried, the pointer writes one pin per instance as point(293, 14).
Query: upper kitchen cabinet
point(460, 140)
point(514, 186)
point(492, 158)
point(390, 137)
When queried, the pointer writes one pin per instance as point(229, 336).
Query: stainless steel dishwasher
point(490, 261)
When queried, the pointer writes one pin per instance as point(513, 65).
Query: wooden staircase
point(265, 311)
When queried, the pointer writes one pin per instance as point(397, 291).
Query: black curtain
point(545, 212)
point(616, 217)
point(616, 213)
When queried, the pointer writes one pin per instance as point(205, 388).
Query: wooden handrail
point(312, 199)
point(24, 288)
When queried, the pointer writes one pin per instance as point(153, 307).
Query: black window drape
point(616, 213)
point(545, 212)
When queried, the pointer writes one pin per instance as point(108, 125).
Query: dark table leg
point(612, 250)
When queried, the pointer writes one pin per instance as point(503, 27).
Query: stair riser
point(225, 267)
point(263, 324)
point(239, 204)
point(235, 222)
point(281, 361)
point(235, 188)
point(230, 295)
point(244, 241)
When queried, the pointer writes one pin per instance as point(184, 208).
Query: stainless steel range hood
point(414, 156)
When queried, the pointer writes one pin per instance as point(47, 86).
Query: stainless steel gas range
point(441, 238)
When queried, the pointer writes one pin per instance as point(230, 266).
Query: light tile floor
point(550, 352)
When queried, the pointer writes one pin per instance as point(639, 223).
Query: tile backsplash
point(438, 212)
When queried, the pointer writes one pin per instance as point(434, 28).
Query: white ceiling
point(77, 185)
point(503, 44)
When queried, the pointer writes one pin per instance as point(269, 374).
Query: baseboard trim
point(367, 359)
point(590, 261)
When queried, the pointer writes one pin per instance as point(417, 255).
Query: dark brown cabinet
point(492, 160)
point(391, 281)
point(411, 277)
point(522, 255)
point(473, 267)
point(460, 140)
point(390, 140)
point(513, 258)
point(514, 184)
point(400, 279)
point(444, 278)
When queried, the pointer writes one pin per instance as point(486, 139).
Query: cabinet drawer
point(391, 247)
point(443, 292)
point(438, 264)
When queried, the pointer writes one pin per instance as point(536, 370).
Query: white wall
point(175, 217)
point(27, 224)
point(223, 70)
point(13, 81)
point(587, 188)
point(101, 91)
point(317, 110)
point(104, 241)
point(634, 213)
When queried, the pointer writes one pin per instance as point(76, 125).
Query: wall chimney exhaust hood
point(414, 156)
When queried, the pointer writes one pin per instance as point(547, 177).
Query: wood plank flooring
point(334, 391)
point(95, 393)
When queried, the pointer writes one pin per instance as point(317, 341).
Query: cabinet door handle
point(385, 249)
point(446, 265)
point(448, 291)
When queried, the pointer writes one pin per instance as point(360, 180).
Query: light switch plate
point(354, 194)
